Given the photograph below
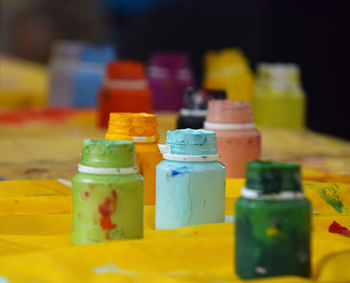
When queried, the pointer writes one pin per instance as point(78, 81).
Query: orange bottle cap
point(138, 127)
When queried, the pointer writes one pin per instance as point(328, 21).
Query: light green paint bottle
point(108, 193)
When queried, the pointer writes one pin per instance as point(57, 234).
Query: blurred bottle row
point(85, 76)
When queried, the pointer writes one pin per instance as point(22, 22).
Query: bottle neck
point(133, 84)
point(135, 139)
point(226, 126)
point(107, 171)
point(260, 195)
point(168, 155)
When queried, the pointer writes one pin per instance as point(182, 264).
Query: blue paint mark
point(180, 170)
point(2, 179)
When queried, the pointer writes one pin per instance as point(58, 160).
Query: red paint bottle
point(125, 89)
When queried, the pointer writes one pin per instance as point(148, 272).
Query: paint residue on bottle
point(106, 209)
point(182, 196)
point(179, 170)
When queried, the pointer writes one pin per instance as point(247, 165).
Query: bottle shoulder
point(258, 203)
point(94, 178)
point(169, 164)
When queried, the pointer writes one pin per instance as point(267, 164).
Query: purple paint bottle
point(169, 75)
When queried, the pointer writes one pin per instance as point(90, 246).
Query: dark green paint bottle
point(273, 222)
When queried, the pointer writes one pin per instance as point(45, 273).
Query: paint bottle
point(141, 128)
point(63, 63)
point(279, 100)
point(190, 186)
point(228, 69)
point(89, 74)
point(273, 222)
point(108, 193)
point(169, 75)
point(195, 107)
point(238, 140)
point(125, 89)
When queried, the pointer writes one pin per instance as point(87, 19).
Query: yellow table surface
point(35, 215)
point(47, 143)
point(35, 226)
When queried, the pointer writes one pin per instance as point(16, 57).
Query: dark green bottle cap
point(273, 177)
point(108, 153)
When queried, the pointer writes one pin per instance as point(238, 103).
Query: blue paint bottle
point(190, 182)
point(89, 74)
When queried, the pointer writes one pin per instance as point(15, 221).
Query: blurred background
point(38, 36)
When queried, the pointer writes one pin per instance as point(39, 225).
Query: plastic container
point(108, 193)
point(88, 76)
point(64, 61)
point(279, 100)
point(273, 222)
point(169, 75)
point(195, 107)
point(238, 140)
point(190, 186)
point(141, 128)
point(125, 89)
point(228, 69)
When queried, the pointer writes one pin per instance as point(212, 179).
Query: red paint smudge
point(335, 227)
point(106, 209)
point(86, 194)
point(23, 115)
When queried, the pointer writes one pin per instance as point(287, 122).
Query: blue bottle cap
point(192, 142)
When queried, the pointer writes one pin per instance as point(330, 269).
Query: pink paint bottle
point(238, 141)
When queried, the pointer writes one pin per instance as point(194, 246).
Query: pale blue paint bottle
point(190, 187)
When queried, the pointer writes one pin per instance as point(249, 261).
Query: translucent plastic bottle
point(279, 100)
point(190, 181)
point(64, 62)
point(141, 128)
point(272, 222)
point(108, 193)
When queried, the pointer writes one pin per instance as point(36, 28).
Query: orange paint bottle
point(238, 141)
point(141, 128)
point(125, 89)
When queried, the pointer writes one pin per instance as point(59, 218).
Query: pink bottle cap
point(230, 112)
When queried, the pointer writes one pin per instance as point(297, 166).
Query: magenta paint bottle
point(169, 75)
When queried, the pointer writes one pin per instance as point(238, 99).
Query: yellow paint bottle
point(141, 128)
point(228, 69)
point(279, 100)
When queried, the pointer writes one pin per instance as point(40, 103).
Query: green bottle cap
point(108, 154)
point(273, 177)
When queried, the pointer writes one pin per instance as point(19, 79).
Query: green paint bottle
point(272, 222)
point(108, 193)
